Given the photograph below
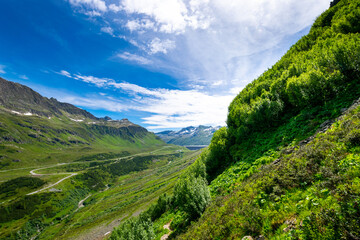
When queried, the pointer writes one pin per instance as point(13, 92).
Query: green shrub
point(191, 194)
point(140, 228)
point(11, 187)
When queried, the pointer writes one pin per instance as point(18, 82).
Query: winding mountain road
point(33, 173)
point(54, 184)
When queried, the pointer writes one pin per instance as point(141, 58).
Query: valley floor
point(74, 204)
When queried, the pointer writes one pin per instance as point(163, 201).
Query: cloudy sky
point(163, 64)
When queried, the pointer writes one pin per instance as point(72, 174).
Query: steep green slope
point(315, 79)
point(277, 171)
point(310, 190)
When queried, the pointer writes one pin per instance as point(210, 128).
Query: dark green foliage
point(136, 164)
point(324, 225)
point(11, 187)
point(94, 178)
point(104, 156)
point(333, 3)
point(140, 228)
point(126, 166)
point(190, 198)
point(279, 181)
point(316, 188)
point(26, 206)
point(217, 157)
point(321, 71)
point(162, 205)
point(191, 194)
point(326, 68)
point(180, 222)
point(353, 138)
point(30, 228)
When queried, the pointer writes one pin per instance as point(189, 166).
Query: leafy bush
point(140, 228)
point(162, 205)
point(191, 194)
point(216, 158)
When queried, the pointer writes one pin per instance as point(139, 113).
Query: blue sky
point(163, 64)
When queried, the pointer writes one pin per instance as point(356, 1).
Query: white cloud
point(139, 24)
point(134, 58)
point(133, 88)
point(23, 77)
point(92, 13)
point(115, 8)
point(98, 5)
point(2, 67)
point(100, 82)
point(107, 30)
point(236, 90)
point(167, 108)
point(218, 39)
point(207, 45)
point(175, 109)
point(157, 45)
point(168, 13)
point(65, 73)
point(212, 40)
point(94, 103)
point(218, 83)
point(171, 16)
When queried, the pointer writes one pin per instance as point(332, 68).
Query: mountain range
point(200, 135)
point(36, 128)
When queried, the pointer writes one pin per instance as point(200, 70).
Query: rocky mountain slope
point(35, 128)
point(200, 135)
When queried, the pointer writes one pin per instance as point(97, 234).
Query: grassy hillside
point(28, 141)
point(284, 167)
point(35, 130)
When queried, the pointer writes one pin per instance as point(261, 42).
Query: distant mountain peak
point(191, 135)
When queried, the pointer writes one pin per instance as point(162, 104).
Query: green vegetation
point(61, 140)
point(188, 201)
point(266, 178)
point(17, 185)
point(285, 167)
point(310, 193)
point(278, 169)
point(108, 196)
point(135, 228)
